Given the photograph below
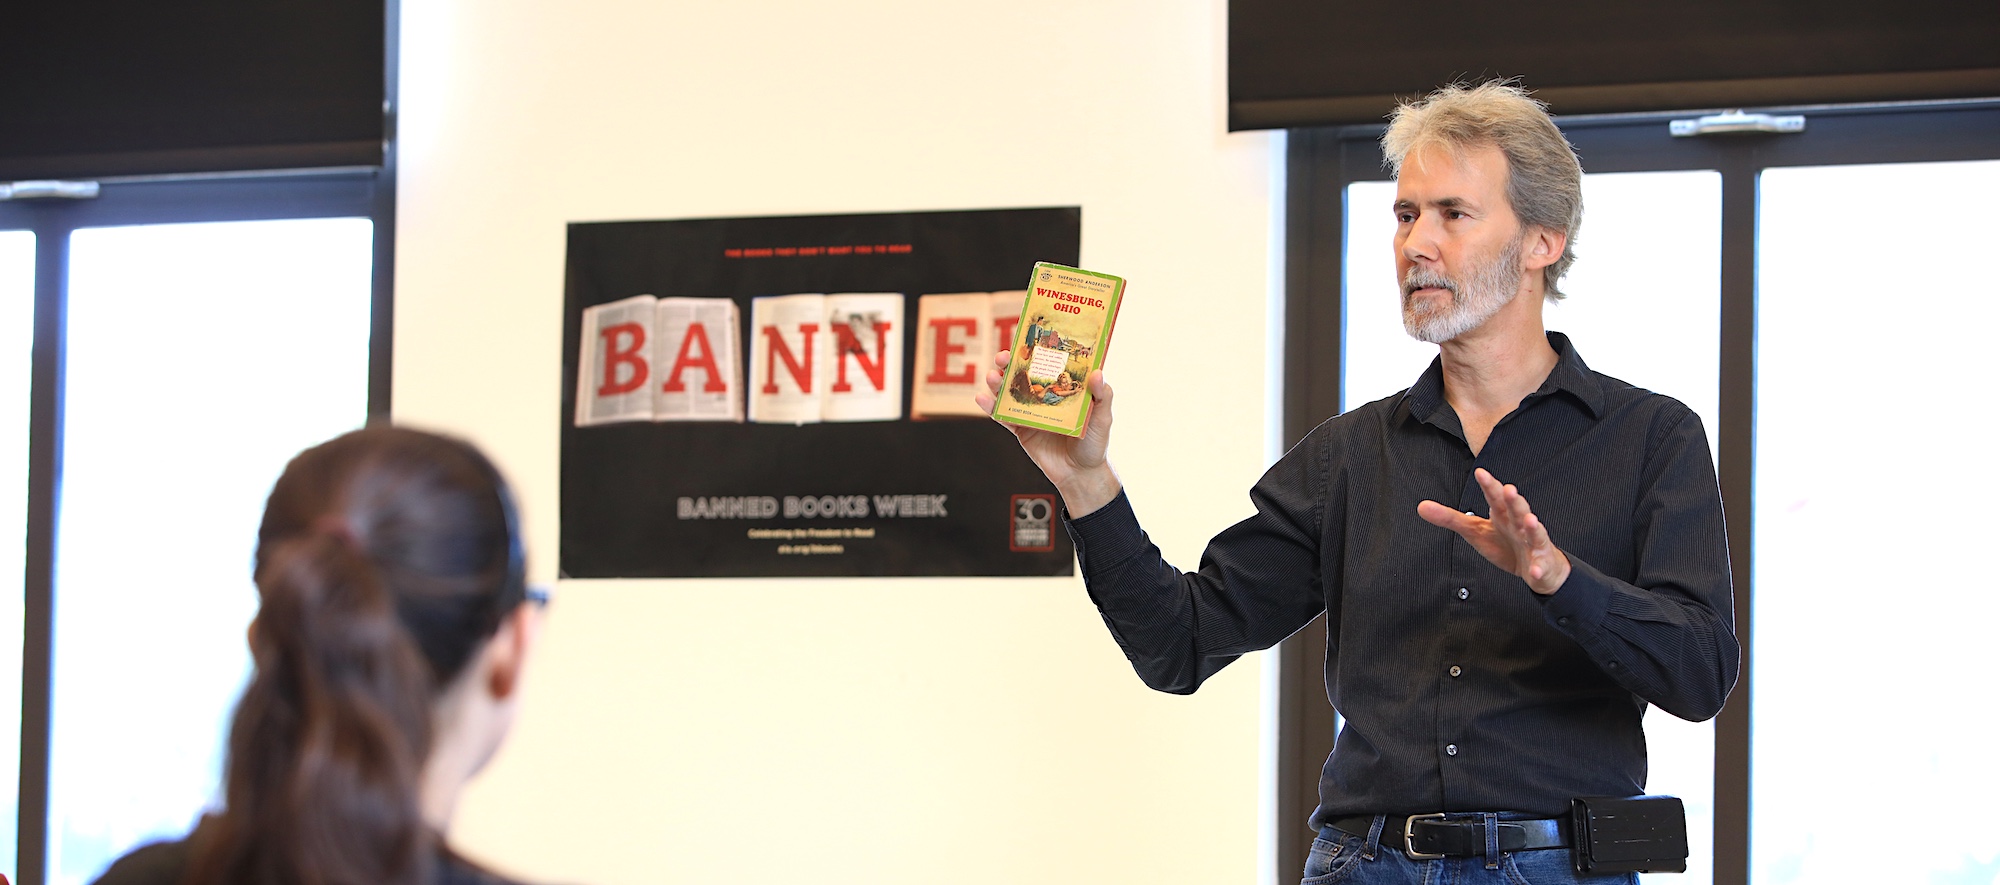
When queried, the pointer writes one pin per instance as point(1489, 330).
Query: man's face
point(1458, 243)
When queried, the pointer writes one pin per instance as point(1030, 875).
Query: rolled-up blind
point(1314, 62)
point(98, 88)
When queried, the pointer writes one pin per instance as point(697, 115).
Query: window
point(192, 336)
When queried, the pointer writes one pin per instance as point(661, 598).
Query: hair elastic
point(337, 528)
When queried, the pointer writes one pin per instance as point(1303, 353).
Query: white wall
point(878, 731)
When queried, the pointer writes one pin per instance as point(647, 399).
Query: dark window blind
point(99, 88)
point(1313, 62)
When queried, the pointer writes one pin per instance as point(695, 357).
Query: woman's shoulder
point(454, 869)
point(161, 863)
point(164, 863)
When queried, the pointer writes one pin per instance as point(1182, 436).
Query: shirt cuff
point(1579, 605)
point(1106, 536)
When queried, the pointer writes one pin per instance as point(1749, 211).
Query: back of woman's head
point(386, 558)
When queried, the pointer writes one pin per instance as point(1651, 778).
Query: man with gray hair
point(1490, 660)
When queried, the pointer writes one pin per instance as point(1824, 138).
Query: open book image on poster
point(826, 358)
point(1061, 337)
point(957, 336)
point(660, 359)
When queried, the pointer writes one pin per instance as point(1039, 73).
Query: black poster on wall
point(739, 497)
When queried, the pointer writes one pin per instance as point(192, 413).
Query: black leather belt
point(1430, 836)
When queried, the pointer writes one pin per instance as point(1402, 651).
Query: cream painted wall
point(850, 731)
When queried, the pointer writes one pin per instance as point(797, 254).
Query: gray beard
point(1474, 300)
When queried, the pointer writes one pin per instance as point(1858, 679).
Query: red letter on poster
point(942, 348)
point(802, 375)
point(615, 357)
point(845, 343)
point(697, 334)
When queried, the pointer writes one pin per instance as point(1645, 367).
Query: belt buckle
point(1409, 829)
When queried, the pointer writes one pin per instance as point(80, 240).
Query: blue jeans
point(1353, 860)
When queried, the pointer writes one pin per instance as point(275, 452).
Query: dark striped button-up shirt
point(1459, 688)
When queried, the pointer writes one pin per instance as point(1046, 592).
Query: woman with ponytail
point(388, 648)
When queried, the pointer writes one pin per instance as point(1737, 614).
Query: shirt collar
point(1570, 375)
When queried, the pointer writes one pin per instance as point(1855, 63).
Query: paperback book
point(1063, 332)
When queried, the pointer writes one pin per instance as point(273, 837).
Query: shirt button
point(1455, 670)
point(1451, 749)
point(1613, 665)
point(1464, 593)
point(1563, 621)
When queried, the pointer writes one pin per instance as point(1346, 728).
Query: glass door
point(1630, 315)
point(1873, 595)
point(1787, 288)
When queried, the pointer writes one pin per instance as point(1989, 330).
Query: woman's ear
point(511, 644)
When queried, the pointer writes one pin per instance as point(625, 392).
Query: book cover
point(1063, 333)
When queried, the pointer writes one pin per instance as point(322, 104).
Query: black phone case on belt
point(1631, 834)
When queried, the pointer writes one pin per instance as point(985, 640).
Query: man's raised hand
point(1078, 466)
point(1513, 539)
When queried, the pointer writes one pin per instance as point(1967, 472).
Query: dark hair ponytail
point(385, 559)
